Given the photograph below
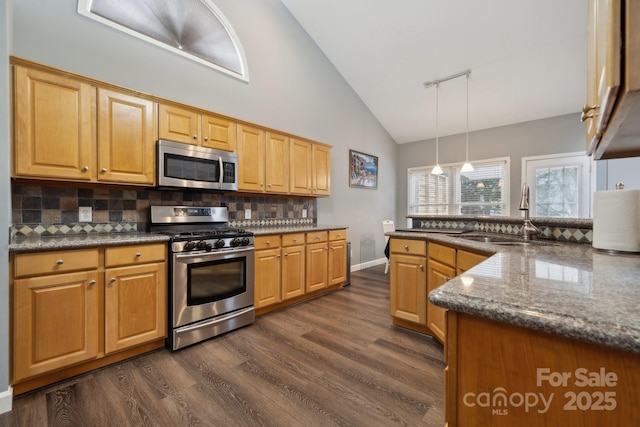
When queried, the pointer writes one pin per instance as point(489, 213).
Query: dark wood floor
point(335, 360)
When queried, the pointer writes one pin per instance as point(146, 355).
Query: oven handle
point(201, 254)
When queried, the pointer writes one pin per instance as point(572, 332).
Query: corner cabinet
point(612, 110)
point(71, 315)
point(68, 130)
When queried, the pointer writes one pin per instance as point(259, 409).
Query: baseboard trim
point(368, 264)
point(6, 400)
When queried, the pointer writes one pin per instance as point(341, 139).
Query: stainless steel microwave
point(191, 166)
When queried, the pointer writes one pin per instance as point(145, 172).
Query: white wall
point(5, 205)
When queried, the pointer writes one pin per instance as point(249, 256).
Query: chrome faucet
point(528, 229)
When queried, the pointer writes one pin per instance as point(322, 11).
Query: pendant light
point(467, 167)
point(437, 170)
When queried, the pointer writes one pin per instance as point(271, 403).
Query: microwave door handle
point(221, 171)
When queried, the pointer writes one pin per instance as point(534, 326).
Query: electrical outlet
point(304, 213)
point(247, 214)
point(84, 214)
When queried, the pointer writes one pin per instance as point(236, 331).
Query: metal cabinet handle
point(195, 136)
point(206, 138)
point(586, 109)
point(85, 169)
point(406, 247)
point(278, 256)
point(113, 279)
point(286, 254)
point(92, 282)
point(421, 267)
point(103, 170)
point(60, 262)
point(268, 185)
point(138, 254)
point(268, 242)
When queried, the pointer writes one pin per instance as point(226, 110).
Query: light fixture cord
point(437, 91)
point(467, 154)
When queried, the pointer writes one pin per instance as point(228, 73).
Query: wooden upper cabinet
point(250, 147)
point(321, 177)
point(190, 127)
point(178, 124)
point(301, 166)
point(126, 138)
point(219, 133)
point(277, 163)
point(54, 126)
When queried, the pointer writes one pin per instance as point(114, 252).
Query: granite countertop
point(285, 229)
point(567, 289)
point(79, 241)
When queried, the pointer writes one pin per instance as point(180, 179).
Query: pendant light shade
point(437, 170)
point(467, 167)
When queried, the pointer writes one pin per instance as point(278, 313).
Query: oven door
point(209, 284)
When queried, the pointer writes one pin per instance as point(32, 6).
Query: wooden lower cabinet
point(408, 275)
point(504, 375)
point(71, 315)
point(55, 322)
point(413, 275)
point(295, 266)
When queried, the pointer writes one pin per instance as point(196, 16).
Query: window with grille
point(560, 185)
point(483, 191)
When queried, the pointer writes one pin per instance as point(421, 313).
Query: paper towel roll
point(616, 220)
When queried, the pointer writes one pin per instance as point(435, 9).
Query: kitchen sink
point(507, 240)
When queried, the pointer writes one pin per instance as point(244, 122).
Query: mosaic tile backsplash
point(568, 230)
point(40, 210)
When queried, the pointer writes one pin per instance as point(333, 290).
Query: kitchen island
point(540, 334)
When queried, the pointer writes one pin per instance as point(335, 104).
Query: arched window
point(195, 29)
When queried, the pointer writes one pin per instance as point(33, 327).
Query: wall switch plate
point(247, 214)
point(84, 214)
point(304, 213)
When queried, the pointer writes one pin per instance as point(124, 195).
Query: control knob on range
point(219, 244)
point(245, 241)
point(202, 245)
point(189, 246)
point(235, 242)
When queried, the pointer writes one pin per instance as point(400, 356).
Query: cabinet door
point(316, 277)
point(438, 274)
point(53, 126)
point(250, 146)
point(293, 271)
point(178, 124)
point(126, 139)
point(337, 262)
point(55, 322)
point(300, 167)
point(218, 132)
point(408, 290)
point(321, 170)
point(135, 305)
point(267, 277)
point(277, 163)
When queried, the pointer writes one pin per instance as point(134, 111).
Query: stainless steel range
point(211, 272)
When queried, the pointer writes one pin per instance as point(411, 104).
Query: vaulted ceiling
point(527, 59)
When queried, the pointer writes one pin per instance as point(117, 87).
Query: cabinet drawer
point(466, 260)
point(316, 237)
point(444, 254)
point(337, 234)
point(40, 263)
point(135, 254)
point(408, 246)
point(267, 242)
point(293, 239)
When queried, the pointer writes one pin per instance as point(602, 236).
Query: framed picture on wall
point(363, 170)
